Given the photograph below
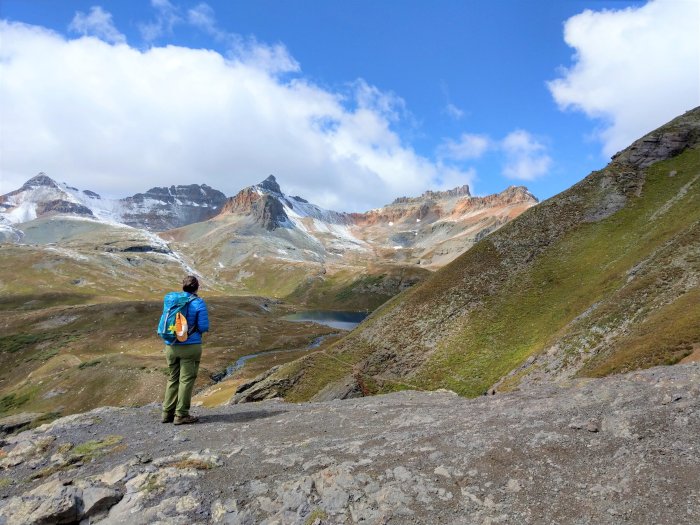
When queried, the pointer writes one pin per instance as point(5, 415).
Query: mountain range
point(259, 241)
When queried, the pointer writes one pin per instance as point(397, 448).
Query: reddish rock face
point(265, 209)
point(508, 197)
point(243, 202)
point(410, 211)
point(429, 229)
point(434, 205)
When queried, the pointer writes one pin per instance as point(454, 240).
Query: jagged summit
point(459, 191)
point(265, 209)
point(164, 208)
point(41, 179)
point(428, 230)
point(270, 184)
point(270, 208)
point(450, 205)
point(40, 196)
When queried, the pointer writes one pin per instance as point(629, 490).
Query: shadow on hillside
point(240, 417)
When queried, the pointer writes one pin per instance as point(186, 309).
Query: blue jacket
point(196, 314)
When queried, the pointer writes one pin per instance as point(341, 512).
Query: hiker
point(183, 356)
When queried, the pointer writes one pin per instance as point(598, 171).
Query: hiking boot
point(167, 418)
point(185, 420)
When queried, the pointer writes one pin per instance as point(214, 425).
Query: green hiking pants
point(183, 365)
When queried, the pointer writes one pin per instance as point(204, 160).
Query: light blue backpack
point(173, 324)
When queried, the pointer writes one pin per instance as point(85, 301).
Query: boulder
point(52, 502)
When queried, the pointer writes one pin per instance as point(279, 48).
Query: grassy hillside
point(599, 279)
point(353, 288)
point(581, 292)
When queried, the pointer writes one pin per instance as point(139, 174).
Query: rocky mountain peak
point(518, 194)
point(430, 195)
point(434, 205)
point(268, 207)
point(192, 193)
point(270, 184)
point(158, 209)
point(164, 208)
point(41, 179)
point(265, 209)
point(40, 195)
point(512, 195)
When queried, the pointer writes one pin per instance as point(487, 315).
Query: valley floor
point(618, 449)
point(64, 354)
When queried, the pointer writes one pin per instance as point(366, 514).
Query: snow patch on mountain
point(23, 212)
point(158, 209)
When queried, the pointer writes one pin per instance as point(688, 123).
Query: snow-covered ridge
point(157, 209)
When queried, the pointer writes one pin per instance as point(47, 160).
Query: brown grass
point(197, 464)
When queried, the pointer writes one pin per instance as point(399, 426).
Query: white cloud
point(97, 23)
point(167, 17)
point(275, 58)
point(118, 120)
point(469, 146)
point(454, 112)
point(526, 157)
point(634, 68)
point(202, 16)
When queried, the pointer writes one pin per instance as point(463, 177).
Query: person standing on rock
point(183, 358)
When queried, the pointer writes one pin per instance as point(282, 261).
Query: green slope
point(589, 266)
point(600, 279)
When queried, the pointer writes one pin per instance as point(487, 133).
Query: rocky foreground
point(614, 450)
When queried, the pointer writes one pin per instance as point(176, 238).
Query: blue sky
point(349, 104)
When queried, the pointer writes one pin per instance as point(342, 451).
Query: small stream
point(241, 361)
point(338, 320)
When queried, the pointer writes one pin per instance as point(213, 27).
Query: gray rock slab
point(622, 449)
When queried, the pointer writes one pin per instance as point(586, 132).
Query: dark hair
point(190, 284)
